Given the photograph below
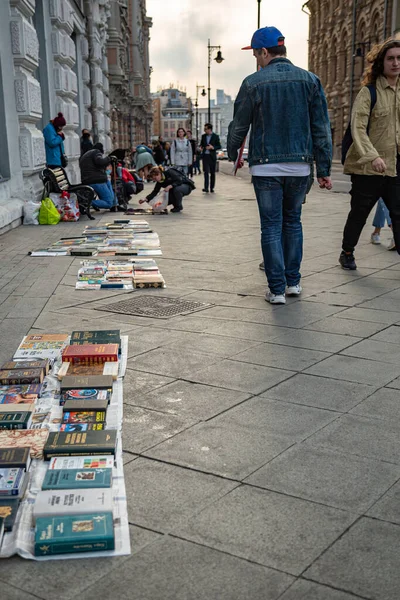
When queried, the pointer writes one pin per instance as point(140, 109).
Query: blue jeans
point(280, 201)
point(381, 214)
point(105, 193)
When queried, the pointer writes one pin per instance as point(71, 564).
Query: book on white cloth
point(72, 502)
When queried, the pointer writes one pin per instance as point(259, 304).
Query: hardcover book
point(8, 408)
point(27, 364)
point(81, 533)
point(84, 416)
point(23, 394)
point(100, 461)
point(13, 482)
point(97, 382)
point(84, 444)
point(34, 438)
point(106, 336)
point(16, 376)
point(91, 353)
point(15, 458)
point(71, 479)
point(15, 420)
point(8, 511)
point(97, 404)
point(72, 502)
point(82, 427)
point(44, 345)
point(77, 370)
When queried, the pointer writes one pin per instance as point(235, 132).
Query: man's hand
point(379, 165)
point(240, 164)
point(210, 147)
point(325, 183)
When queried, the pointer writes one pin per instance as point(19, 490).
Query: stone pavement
point(262, 444)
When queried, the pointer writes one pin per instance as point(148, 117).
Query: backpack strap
point(374, 97)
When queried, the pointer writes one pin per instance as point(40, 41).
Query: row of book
point(65, 478)
point(134, 273)
point(123, 237)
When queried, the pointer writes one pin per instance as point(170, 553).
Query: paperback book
point(41, 346)
point(13, 482)
point(72, 502)
point(8, 511)
point(70, 479)
point(99, 461)
point(15, 458)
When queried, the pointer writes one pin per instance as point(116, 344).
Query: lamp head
point(203, 93)
point(219, 57)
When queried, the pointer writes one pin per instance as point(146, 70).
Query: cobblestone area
point(262, 444)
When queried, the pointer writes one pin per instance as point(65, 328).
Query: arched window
point(344, 54)
point(333, 63)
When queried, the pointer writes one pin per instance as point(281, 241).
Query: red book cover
point(91, 353)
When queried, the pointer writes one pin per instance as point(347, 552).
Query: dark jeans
point(280, 202)
point(176, 195)
point(365, 192)
point(209, 166)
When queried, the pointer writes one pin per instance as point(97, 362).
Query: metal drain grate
point(159, 308)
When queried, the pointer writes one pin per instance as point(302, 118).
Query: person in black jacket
point(209, 145)
point(171, 181)
point(93, 166)
point(86, 142)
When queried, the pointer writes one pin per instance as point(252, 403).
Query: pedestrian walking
point(86, 141)
point(287, 111)
point(193, 145)
point(93, 166)
point(158, 153)
point(54, 142)
point(381, 215)
point(172, 181)
point(144, 161)
point(209, 145)
point(373, 159)
point(181, 152)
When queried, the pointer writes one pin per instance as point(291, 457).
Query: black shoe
point(212, 191)
point(346, 260)
point(175, 210)
point(95, 208)
point(204, 190)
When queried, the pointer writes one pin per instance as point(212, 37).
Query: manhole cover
point(159, 308)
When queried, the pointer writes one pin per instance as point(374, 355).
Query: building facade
point(341, 33)
point(54, 57)
point(171, 109)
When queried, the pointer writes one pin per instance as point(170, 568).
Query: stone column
point(28, 102)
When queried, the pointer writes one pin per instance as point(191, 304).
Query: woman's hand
point(169, 187)
point(379, 165)
point(142, 200)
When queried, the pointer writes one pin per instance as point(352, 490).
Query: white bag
point(31, 212)
point(58, 202)
point(160, 202)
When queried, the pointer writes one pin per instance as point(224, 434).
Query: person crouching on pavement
point(287, 110)
point(93, 166)
point(373, 159)
point(171, 181)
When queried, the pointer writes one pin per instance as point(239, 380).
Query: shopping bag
point(48, 214)
point(31, 212)
point(71, 208)
point(160, 202)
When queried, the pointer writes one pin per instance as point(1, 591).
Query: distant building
point(171, 109)
point(203, 119)
point(341, 33)
point(223, 98)
point(225, 104)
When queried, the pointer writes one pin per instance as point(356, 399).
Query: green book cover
point(106, 336)
point(85, 443)
point(82, 533)
point(71, 479)
point(15, 420)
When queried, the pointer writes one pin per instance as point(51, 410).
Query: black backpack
point(184, 178)
point(348, 138)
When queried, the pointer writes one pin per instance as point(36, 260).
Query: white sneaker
point(375, 238)
point(391, 245)
point(293, 290)
point(275, 298)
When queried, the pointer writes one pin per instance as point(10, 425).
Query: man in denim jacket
point(287, 111)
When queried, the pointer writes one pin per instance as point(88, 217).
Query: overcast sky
point(181, 28)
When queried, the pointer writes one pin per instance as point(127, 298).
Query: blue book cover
point(90, 532)
point(71, 479)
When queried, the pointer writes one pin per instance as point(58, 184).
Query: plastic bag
point(71, 208)
point(160, 202)
point(48, 214)
point(58, 202)
point(31, 212)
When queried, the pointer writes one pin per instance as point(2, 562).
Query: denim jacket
point(287, 111)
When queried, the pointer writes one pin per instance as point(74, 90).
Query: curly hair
point(376, 58)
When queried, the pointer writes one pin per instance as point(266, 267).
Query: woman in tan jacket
point(373, 159)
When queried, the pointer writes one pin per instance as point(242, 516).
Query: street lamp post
point(219, 60)
point(259, 14)
point(203, 93)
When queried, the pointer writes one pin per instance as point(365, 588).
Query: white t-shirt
point(289, 169)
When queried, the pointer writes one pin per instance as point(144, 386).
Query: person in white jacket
point(181, 152)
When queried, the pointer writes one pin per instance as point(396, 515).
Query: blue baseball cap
point(266, 37)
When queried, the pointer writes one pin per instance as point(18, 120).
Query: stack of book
point(134, 272)
point(75, 509)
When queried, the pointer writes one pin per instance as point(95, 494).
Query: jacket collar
point(278, 59)
point(382, 83)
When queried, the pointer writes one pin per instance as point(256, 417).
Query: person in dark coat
point(171, 181)
point(93, 165)
point(86, 142)
point(209, 145)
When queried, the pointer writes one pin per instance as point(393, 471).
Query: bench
point(56, 181)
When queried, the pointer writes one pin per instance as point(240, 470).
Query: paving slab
point(160, 495)
point(176, 363)
point(387, 508)
point(350, 327)
point(320, 392)
point(283, 357)
point(362, 561)
point(306, 590)
point(137, 383)
point(322, 476)
point(391, 335)
point(383, 404)
point(219, 345)
point(178, 570)
point(247, 331)
point(375, 350)
point(314, 340)
point(349, 368)
point(192, 400)
point(362, 436)
point(370, 315)
point(271, 529)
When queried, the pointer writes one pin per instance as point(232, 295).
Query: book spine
point(11, 426)
point(82, 452)
point(20, 380)
point(68, 548)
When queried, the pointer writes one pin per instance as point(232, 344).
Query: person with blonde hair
point(373, 159)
